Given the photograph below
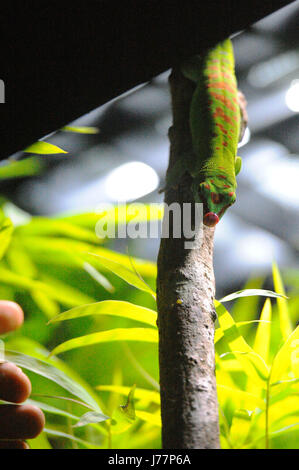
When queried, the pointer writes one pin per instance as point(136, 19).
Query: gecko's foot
point(210, 219)
point(173, 186)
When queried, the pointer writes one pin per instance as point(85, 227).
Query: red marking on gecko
point(224, 100)
point(222, 176)
point(226, 186)
point(231, 194)
point(222, 86)
point(220, 113)
point(207, 187)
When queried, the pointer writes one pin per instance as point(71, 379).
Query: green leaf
point(6, 230)
point(43, 148)
point(252, 363)
point(56, 290)
point(287, 354)
point(263, 334)
point(284, 319)
point(124, 273)
point(140, 393)
point(240, 397)
point(240, 427)
point(118, 334)
point(19, 169)
point(250, 292)
point(36, 350)
point(54, 433)
point(98, 277)
point(39, 442)
point(124, 415)
point(52, 373)
point(89, 418)
point(120, 214)
point(219, 333)
point(22, 264)
point(81, 129)
point(111, 307)
point(43, 226)
point(244, 308)
point(52, 409)
point(151, 418)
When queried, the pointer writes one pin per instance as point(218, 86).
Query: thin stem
point(267, 443)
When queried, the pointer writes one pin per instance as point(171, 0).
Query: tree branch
point(186, 315)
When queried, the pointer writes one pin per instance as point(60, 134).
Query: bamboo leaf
point(244, 308)
point(240, 397)
point(81, 129)
point(89, 418)
point(124, 273)
point(219, 333)
point(263, 334)
point(34, 349)
point(287, 354)
point(50, 372)
point(52, 287)
point(124, 415)
point(54, 433)
point(43, 148)
point(250, 292)
point(140, 393)
point(118, 334)
point(284, 318)
point(253, 364)
point(52, 409)
point(117, 308)
point(39, 442)
point(98, 277)
point(240, 427)
point(6, 230)
point(43, 226)
point(19, 169)
point(151, 418)
point(119, 214)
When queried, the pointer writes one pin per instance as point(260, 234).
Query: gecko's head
point(217, 195)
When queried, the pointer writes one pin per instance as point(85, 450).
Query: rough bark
point(186, 315)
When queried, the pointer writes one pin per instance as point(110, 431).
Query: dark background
point(64, 59)
point(61, 59)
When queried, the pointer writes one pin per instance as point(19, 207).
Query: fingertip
point(15, 386)
point(35, 421)
point(17, 444)
point(11, 316)
point(21, 421)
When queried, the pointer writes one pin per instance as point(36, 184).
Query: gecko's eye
point(210, 219)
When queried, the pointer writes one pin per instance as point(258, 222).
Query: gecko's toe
point(210, 219)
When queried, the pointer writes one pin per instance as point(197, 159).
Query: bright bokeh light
point(131, 181)
point(292, 97)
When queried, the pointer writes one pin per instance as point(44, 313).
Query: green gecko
point(215, 119)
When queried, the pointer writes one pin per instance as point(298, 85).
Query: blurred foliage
point(95, 308)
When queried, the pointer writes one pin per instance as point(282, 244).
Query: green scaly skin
point(215, 119)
